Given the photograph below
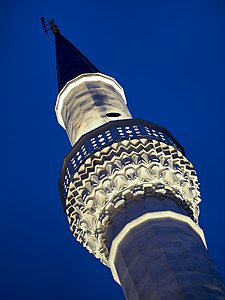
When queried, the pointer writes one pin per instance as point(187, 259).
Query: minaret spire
point(69, 60)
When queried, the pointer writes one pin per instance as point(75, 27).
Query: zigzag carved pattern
point(126, 171)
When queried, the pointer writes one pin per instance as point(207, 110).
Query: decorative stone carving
point(105, 136)
point(126, 171)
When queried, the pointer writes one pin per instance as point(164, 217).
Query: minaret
point(130, 194)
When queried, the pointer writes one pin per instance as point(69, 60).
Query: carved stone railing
point(122, 162)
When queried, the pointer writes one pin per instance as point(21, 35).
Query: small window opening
point(113, 114)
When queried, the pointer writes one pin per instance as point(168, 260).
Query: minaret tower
point(130, 195)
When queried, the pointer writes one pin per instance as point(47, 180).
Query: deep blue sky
point(170, 58)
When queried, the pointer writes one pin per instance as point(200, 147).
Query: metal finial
point(49, 25)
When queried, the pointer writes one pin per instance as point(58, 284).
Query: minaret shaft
point(166, 259)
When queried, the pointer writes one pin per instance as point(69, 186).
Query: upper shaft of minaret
point(87, 98)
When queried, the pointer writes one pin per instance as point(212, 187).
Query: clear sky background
point(169, 56)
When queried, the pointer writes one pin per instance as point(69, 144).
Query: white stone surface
point(154, 169)
point(85, 102)
point(141, 219)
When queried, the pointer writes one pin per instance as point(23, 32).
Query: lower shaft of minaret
point(166, 259)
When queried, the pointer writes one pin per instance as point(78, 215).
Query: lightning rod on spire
point(49, 25)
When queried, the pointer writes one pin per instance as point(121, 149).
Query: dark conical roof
point(70, 61)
